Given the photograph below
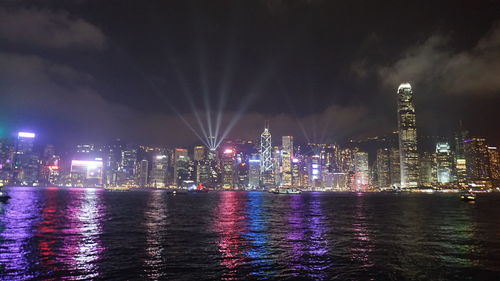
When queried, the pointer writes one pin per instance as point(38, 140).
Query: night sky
point(323, 71)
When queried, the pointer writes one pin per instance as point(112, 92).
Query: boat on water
point(468, 196)
point(3, 197)
point(286, 190)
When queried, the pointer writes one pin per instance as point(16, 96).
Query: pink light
point(228, 150)
point(25, 135)
point(295, 160)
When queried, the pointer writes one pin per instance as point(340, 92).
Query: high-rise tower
point(286, 160)
point(266, 161)
point(407, 137)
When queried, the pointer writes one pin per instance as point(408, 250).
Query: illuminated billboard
point(25, 135)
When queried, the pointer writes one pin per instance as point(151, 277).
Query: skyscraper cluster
point(394, 161)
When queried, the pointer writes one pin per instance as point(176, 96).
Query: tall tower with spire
point(266, 161)
point(407, 126)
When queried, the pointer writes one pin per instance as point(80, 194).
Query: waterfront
point(57, 233)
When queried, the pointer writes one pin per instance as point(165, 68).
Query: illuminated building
point(494, 163)
point(395, 167)
point(86, 173)
point(208, 170)
point(199, 153)
point(314, 171)
point(227, 160)
point(112, 161)
point(254, 171)
point(477, 160)
point(407, 137)
point(26, 163)
point(382, 167)
point(54, 174)
point(427, 169)
point(266, 161)
point(341, 181)
point(142, 173)
point(181, 163)
point(277, 165)
point(127, 173)
point(460, 161)
point(360, 171)
point(345, 160)
point(51, 171)
point(7, 150)
point(159, 171)
point(444, 163)
point(241, 175)
point(295, 171)
point(286, 160)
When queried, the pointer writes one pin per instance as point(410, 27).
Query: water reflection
point(81, 246)
point(155, 225)
point(318, 260)
point(17, 219)
point(296, 233)
point(45, 232)
point(229, 224)
point(89, 244)
point(257, 236)
point(361, 246)
point(306, 235)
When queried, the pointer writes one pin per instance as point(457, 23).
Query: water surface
point(78, 234)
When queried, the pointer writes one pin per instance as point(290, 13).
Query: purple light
point(26, 135)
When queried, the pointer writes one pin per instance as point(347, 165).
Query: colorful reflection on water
point(18, 218)
point(87, 234)
point(257, 236)
point(229, 225)
point(65, 236)
point(317, 259)
point(361, 245)
point(156, 226)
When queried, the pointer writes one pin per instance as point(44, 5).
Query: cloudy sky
point(164, 72)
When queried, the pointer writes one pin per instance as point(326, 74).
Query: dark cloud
point(47, 28)
point(435, 64)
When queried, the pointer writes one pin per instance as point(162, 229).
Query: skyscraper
point(286, 160)
point(361, 171)
point(227, 160)
point(159, 171)
point(444, 163)
point(382, 166)
point(181, 166)
point(460, 161)
point(407, 137)
point(427, 169)
point(253, 171)
point(199, 153)
point(494, 163)
point(25, 160)
point(142, 172)
point(266, 161)
point(477, 159)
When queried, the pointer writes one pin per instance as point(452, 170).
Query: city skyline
point(249, 140)
point(212, 75)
